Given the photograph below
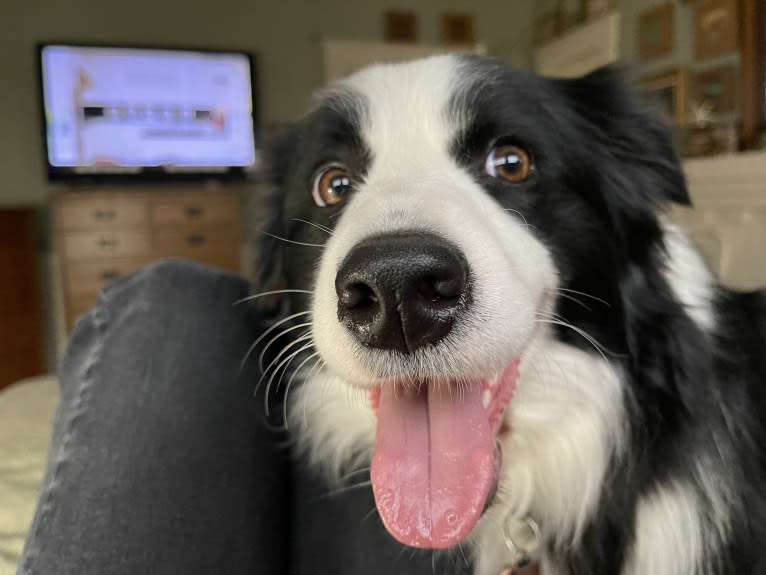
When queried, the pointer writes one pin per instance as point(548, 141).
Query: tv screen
point(132, 111)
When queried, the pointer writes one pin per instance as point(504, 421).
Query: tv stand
point(102, 233)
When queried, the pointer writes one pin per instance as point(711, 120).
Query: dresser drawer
point(89, 278)
point(98, 212)
point(207, 209)
point(87, 245)
point(197, 243)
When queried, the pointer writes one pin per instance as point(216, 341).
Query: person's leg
point(160, 461)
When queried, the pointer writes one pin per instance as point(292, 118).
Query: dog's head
point(449, 216)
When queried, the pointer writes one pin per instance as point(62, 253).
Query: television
point(134, 112)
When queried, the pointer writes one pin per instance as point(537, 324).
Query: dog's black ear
point(267, 217)
point(631, 135)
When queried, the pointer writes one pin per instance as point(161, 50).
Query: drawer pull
point(104, 215)
point(109, 275)
point(195, 239)
point(107, 243)
point(194, 212)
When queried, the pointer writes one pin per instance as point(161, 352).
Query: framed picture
point(592, 9)
point(715, 28)
point(458, 28)
point(655, 32)
point(718, 87)
point(666, 93)
point(400, 26)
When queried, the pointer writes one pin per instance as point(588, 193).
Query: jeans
point(162, 461)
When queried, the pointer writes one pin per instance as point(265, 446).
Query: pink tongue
point(433, 463)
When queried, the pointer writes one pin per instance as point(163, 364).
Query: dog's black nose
point(402, 291)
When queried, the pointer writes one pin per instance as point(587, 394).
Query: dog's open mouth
point(435, 462)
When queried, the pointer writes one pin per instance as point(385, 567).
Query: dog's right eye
point(508, 162)
point(331, 186)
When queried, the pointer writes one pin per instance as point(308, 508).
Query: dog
point(501, 320)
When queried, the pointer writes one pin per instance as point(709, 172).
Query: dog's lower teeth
point(486, 397)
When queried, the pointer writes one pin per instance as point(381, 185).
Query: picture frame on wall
point(655, 32)
point(715, 28)
point(666, 94)
point(458, 28)
point(718, 87)
point(400, 26)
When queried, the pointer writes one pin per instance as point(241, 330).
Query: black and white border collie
point(499, 319)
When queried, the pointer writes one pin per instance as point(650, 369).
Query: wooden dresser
point(21, 326)
point(102, 234)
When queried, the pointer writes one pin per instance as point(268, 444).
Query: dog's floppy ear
point(629, 154)
point(268, 221)
point(631, 134)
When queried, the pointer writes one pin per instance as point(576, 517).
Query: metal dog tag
point(523, 539)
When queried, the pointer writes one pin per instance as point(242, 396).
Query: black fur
point(605, 169)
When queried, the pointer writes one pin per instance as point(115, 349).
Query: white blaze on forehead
point(407, 108)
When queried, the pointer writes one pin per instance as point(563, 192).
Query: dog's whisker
point(346, 488)
point(584, 294)
point(306, 335)
point(289, 385)
point(329, 231)
point(276, 337)
point(369, 514)
point(603, 351)
point(462, 553)
point(272, 292)
point(289, 241)
point(259, 339)
point(518, 213)
point(365, 469)
point(285, 363)
point(551, 315)
point(574, 299)
point(281, 354)
point(315, 368)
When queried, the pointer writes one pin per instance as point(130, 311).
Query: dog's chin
point(436, 459)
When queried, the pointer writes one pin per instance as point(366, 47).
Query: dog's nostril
point(435, 290)
point(358, 296)
point(450, 288)
point(427, 291)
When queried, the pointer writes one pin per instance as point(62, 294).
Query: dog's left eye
point(331, 185)
point(508, 162)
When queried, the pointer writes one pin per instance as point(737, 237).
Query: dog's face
point(466, 212)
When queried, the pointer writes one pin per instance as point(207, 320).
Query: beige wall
point(284, 35)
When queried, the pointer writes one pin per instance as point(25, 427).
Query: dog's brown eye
point(331, 185)
point(509, 163)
